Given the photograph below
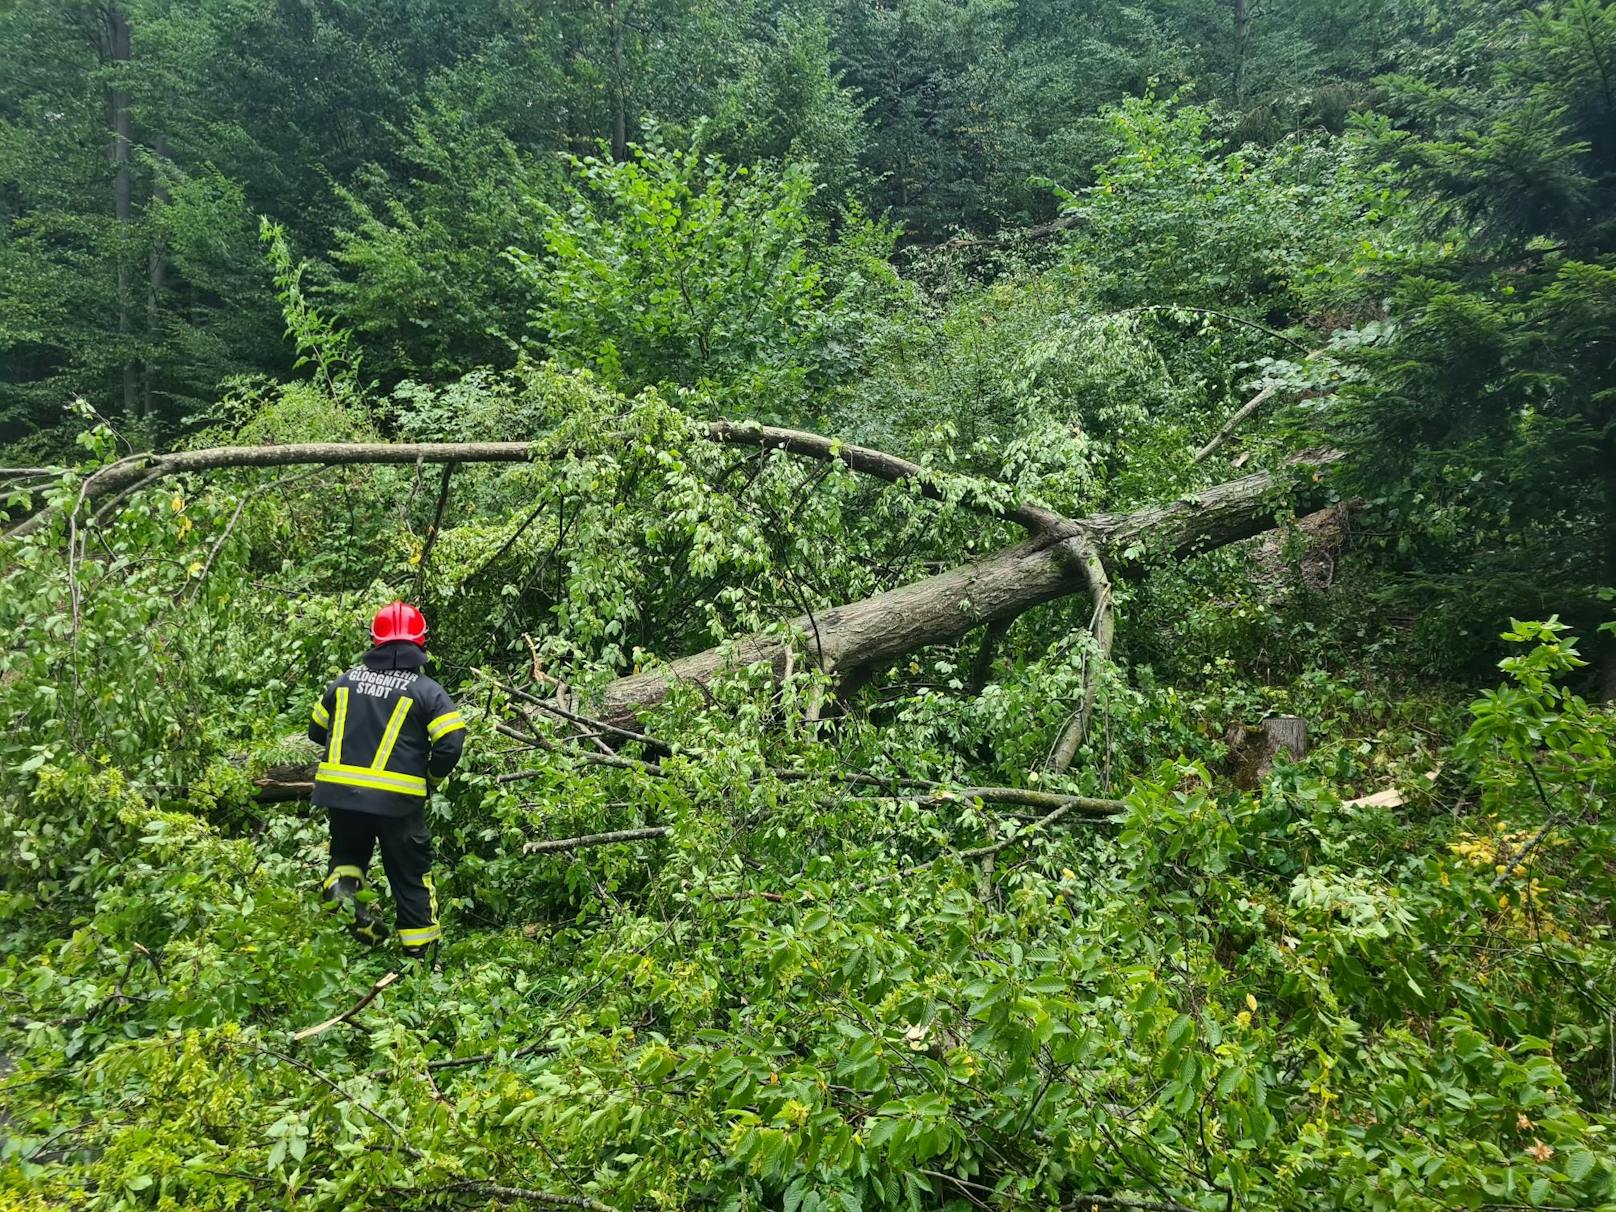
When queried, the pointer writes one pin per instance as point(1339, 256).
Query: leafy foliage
point(825, 974)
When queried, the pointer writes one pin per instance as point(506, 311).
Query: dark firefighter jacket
point(387, 729)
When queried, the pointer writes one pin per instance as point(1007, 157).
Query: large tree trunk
point(1062, 556)
point(867, 634)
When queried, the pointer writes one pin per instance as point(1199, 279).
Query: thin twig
point(218, 546)
point(458, 1062)
point(358, 1102)
point(1536, 840)
point(585, 721)
point(522, 1193)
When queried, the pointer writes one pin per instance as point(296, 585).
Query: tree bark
point(618, 91)
point(1607, 639)
point(156, 273)
point(939, 609)
point(144, 469)
point(1253, 749)
point(122, 134)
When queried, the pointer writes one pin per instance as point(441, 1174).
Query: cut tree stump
point(1252, 748)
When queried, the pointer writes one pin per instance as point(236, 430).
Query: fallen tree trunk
point(846, 640)
point(1061, 556)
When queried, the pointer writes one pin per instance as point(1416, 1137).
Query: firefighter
point(391, 735)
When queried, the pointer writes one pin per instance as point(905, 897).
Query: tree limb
point(876, 630)
point(1235, 421)
point(346, 1015)
point(555, 845)
point(1103, 628)
point(139, 471)
point(432, 530)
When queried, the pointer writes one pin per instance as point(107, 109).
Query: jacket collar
point(400, 654)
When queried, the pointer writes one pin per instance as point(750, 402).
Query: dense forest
point(1032, 585)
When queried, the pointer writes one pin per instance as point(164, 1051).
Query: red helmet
point(399, 621)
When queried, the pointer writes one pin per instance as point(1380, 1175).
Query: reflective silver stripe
point(363, 776)
point(390, 738)
point(335, 756)
point(444, 724)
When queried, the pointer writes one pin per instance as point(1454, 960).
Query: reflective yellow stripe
point(364, 776)
point(390, 737)
point(334, 757)
point(345, 870)
point(446, 723)
point(417, 938)
point(322, 717)
point(431, 896)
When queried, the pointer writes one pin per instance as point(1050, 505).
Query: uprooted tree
point(1059, 556)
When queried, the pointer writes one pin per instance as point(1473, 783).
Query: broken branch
point(348, 1014)
point(596, 839)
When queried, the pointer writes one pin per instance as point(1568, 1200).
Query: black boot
point(424, 956)
point(343, 888)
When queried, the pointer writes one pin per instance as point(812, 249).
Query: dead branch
point(112, 483)
point(1239, 417)
point(596, 839)
point(1102, 626)
point(348, 1014)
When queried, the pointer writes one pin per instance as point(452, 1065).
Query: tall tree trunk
point(1607, 640)
point(156, 273)
point(619, 104)
point(122, 132)
point(1242, 40)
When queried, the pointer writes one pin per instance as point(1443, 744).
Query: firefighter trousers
point(406, 847)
